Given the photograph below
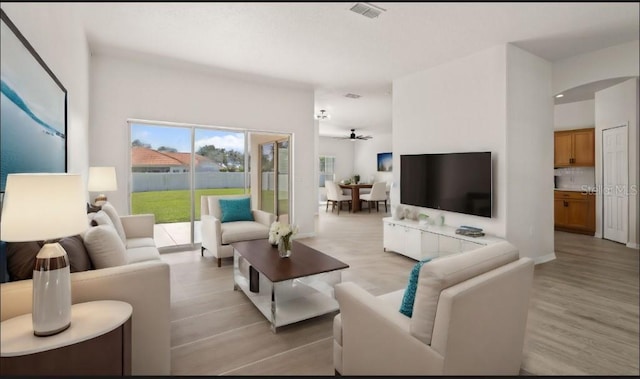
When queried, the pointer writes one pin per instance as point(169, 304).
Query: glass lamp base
point(51, 291)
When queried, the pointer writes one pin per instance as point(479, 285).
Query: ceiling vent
point(367, 10)
point(352, 96)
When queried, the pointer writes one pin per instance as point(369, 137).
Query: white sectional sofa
point(469, 318)
point(142, 279)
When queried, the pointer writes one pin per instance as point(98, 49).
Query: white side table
point(98, 342)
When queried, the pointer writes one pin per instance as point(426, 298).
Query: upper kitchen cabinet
point(574, 148)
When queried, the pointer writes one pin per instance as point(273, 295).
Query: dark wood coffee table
point(286, 290)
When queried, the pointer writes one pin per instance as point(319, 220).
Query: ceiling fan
point(354, 137)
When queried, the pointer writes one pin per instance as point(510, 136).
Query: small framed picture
point(384, 162)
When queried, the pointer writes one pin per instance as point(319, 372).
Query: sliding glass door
point(274, 178)
point(267, 177)
point(283, 180)
point(219, 167)
point(160, 180)
point(172, 167)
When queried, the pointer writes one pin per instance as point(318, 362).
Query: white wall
point(55, 32)
point(497, 100)
point(365, 160)
point(529, 155)
point(612, 62)
point(145, 89)
point(615, 106)
point(576, 115)
point(456, 107)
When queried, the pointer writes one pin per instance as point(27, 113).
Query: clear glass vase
point(284, 247)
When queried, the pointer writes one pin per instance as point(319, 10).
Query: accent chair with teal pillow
point(217, 213)
point(406, 307)
point(236, 210)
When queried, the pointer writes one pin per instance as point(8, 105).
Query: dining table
point(355, 194)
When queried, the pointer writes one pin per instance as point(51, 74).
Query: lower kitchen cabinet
point(575, 212)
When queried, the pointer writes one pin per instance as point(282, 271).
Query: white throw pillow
point(105, 247)
point(101, 218)
point(115, 220)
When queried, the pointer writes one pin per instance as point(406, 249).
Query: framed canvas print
point(384, 162)
point(33, 121)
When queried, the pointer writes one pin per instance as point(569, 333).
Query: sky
point(180, 138)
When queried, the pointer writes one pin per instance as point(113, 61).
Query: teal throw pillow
point(235, 210)
point(406, 308)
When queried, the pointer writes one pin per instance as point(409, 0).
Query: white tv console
point(410, 238)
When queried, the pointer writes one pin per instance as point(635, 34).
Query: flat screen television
point(456, 182)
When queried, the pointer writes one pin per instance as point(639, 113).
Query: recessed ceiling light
point(367, 10)
point(352, 96)
point(559, 95)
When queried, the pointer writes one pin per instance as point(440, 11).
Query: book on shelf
point(469, 232)
point(470, 228)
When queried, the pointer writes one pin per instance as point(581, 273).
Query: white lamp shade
point(102, 179)
point(42, 207)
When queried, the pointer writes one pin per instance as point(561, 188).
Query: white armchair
point(217, 236)
point(469, 318)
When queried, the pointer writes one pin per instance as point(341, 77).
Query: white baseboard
point(630, 245)
point(633, 245)
point(545, 258)
point(305, 235)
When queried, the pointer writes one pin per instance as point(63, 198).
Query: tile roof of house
point(142, 156)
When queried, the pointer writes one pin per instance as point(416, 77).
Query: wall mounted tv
point(456, 182)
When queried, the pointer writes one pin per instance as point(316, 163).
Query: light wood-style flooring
point(583, 318)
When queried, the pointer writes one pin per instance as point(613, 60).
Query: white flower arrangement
point(281, 231)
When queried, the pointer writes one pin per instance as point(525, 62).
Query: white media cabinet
point(410, 238)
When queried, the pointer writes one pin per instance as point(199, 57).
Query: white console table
point(410, 238)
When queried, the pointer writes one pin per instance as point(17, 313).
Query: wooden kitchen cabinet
point(574, 148)
point(575, 212)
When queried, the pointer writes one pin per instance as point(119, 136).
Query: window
point(327, 169)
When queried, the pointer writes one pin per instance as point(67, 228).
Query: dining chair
point(335, 196)
point(378, 194)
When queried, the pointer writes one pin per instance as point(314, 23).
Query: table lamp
point(102, 179)
point(30, 213)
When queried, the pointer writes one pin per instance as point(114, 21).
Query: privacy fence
point(156, 181)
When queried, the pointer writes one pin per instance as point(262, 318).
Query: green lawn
point(173, 206)
point(267, 202)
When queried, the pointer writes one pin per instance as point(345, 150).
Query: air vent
point(367, 10)
point(352, 96)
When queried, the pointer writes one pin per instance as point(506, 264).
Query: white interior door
point(615, 178)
